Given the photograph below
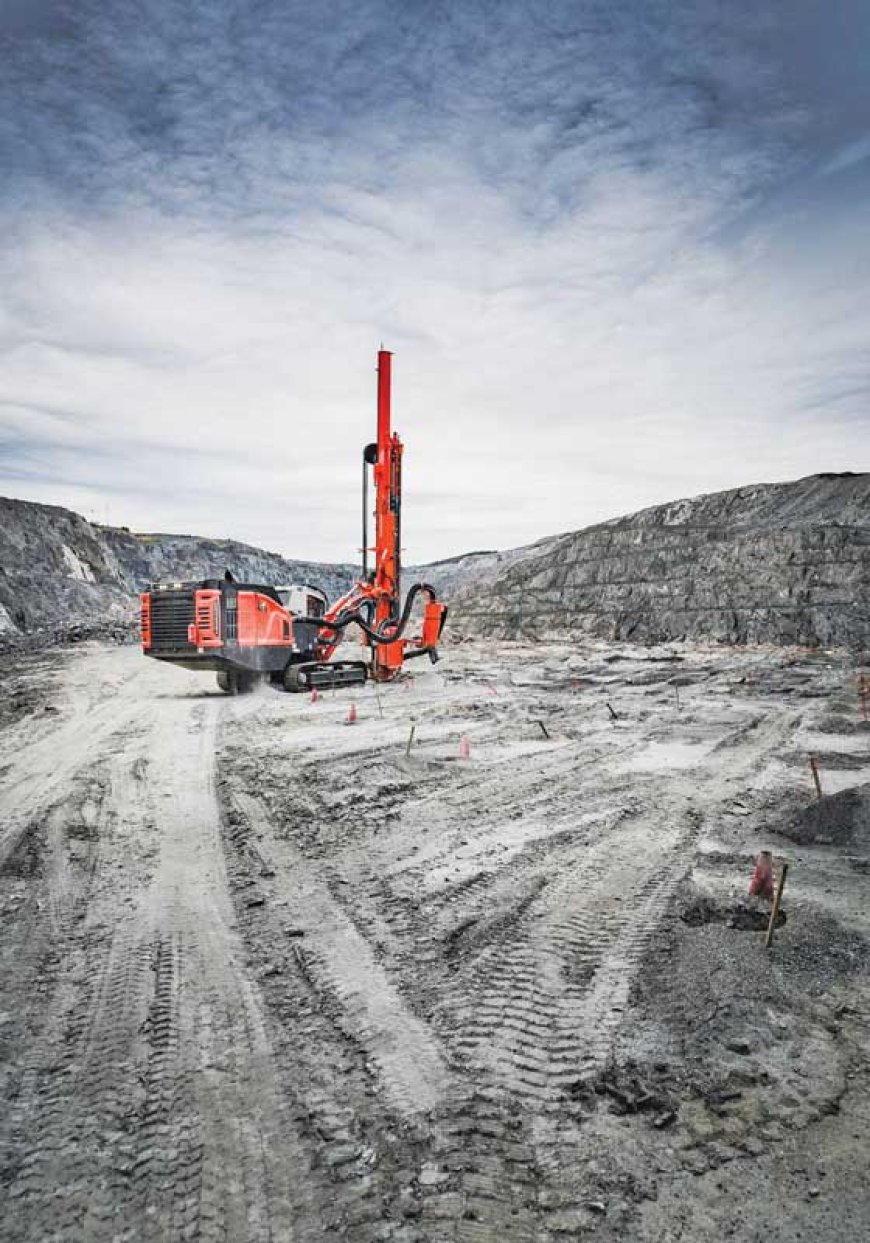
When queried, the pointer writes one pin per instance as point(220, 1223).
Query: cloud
point(572, 223)
point(852, 153)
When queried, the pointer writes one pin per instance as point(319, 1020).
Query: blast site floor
point(265, 975)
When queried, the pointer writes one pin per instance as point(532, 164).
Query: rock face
point(56, 571)
point(771, 563)
point(472, 569)
point(146, 559)
point(59, 574)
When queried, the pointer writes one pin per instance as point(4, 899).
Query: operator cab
point(303, 600)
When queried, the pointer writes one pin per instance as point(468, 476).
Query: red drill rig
point(247, 631)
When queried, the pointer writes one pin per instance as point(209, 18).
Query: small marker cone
point(314, 695)
point(464, 748)
point(351, 716)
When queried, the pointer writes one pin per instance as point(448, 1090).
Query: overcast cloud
point(621, 252)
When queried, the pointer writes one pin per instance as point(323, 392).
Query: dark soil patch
point(836, 820)
point(700, 908)
point(25, 860)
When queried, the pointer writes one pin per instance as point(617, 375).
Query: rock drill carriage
point(247, 631)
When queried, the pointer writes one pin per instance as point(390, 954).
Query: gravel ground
point(267, 975)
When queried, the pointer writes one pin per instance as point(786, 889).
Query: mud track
point(268, 976)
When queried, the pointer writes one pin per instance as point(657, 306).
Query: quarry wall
point(775, 563)
point(770, 563)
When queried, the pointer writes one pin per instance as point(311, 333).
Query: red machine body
point(244, 631)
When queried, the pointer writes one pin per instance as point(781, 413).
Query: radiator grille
point(207, 618)
point(171, 614)
point(232, 619)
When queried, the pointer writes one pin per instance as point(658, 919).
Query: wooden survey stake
point(774, 910)
point(814, 769)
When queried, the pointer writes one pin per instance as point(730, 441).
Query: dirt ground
point(267, 975)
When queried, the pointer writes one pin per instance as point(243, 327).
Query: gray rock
point(772, 563)
point(63, 578)
point(150, 558)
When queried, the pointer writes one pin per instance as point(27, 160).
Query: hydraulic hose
point(389, 630)
point(342, 620)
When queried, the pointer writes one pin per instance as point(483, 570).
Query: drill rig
point(247, 631)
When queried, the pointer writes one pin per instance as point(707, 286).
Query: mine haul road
point(270, 976)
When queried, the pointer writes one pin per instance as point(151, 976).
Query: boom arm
point(373, 602)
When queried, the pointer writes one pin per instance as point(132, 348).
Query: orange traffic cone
point(464, 748)
point(761, 884)
point(351, 716)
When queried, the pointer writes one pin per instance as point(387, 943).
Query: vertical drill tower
point(388, 523)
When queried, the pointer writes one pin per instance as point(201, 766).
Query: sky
point(620, 251)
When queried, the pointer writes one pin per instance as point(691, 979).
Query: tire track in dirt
point(341, 962)
point(480, 1179)
point(399, 1071)
point(215, 1101)
point(477, 1175)
point(538, 1008)
point(355, 1155)
point(40, 769)
point(146, 1104)
point(50, 973)
point(378, 1172)
point(512, 900)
